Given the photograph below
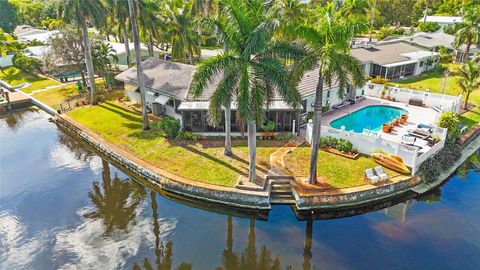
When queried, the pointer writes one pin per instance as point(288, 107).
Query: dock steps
point(281, 192)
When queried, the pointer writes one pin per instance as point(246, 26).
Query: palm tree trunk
point(252, 149)
point(88, 62)
point(467, 51)
point(127, 45)
point(466, 100)
point(138, 57)
point(228, 139)
point(317, 125)
point(199, 30)
point(150, 44)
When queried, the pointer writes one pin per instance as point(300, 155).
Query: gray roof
point(173, 79)
point(383, 53)
point(169, 78)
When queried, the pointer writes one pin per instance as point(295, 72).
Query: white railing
point(441, 102)
point(372, 143)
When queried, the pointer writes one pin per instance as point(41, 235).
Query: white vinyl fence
point(440, 102)
point(368, 144)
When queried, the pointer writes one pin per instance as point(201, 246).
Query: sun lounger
point(420, 133)
point(380, 173)
point(371, 176)
point(420, 143)
point(425, 127)
point(408, 139)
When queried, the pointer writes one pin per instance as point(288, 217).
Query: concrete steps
point(281, 192)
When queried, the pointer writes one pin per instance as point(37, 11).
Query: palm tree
point(150, 22)
point(470, 80)
point(202, 9)
point(102, 56)
point(328, 41)
point(119, 10)
point(138, 56)
point(181, 31)
point(249, 70)
point(80, 13)
point(468, 32)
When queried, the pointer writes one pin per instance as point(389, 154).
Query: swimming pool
point(370, 117)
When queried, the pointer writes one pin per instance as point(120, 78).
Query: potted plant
point(404, 117)
point(386, 128)
point(268, 129)
point(396, 122)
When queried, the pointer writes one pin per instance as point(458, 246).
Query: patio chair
point(420, 133)
point(420, 143)
point(408, 139)
point(381, 174)
point(370, 175)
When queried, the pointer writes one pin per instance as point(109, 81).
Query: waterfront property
point(167, 85)
point(394, 60)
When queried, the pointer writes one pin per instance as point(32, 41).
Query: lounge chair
point(420, 143)
point(408, 139)
point(379, 171)
point(420, 133)
point(425, 127)
point(371, 176)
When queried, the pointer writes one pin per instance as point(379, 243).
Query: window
point(421, 64)
point(328, 93)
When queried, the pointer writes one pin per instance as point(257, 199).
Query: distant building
point(122, 53)
point(443, 21)
point(394, 60)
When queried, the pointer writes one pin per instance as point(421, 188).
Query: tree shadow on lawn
point(111, 103)
point(119, 112)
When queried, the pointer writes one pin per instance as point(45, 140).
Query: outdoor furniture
point(380, 173)
point(425, 127)
point(408, 139)
point(420, 143)
point(420, 133)
point(415, 102)
point(342, 105)
point(371, 176)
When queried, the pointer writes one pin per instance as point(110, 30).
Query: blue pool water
point(371, 117)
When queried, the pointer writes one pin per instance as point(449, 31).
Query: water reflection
point(399, 211)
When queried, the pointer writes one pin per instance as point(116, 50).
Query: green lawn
point(199, 160)
point(15, 76)
point(433, 80)
point(338, 171)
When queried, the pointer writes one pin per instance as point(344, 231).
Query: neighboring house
point(38, 52)
point(167, 85)
point(43, 37)
point(443, 21)
point(122, 53)
point(394, 60)
point(433, 42)
point(6, 60)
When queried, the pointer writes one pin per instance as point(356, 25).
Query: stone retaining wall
point(217, 194)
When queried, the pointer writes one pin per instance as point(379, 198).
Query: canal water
point(63, 207)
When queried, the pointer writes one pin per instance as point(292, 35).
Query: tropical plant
point(470, 80)
point(27, 64)
point(284, 136)
point(329, 44)
point(102, 56)
point(80, 13)
point(429, 26)
point(269, 126)
point(181, 31)
point(169, 127)
point(450, 121)
point(132, 11)
point(8, 16)
point(6, 44)
point(119, 13)
point(468, 32)
point(249, 70)
point(150, 23)
point(202, 9)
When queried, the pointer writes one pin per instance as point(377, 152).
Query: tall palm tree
point(202, 9)
point(470, 80)
point(150, 22)
point(81, 13)
point(102, 57)
point(138, 56)
point(181, 31)
point(329, 43)
point(249, 70)
point(468, 32)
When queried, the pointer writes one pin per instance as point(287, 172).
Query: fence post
point(293, 128)
point(414, 162)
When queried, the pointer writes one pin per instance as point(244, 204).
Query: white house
point(394, 60)
point(443, 21)
point(121, 53)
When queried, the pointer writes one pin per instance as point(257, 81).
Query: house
point(394, 60)
point(121, 53)
point(42, 36)
point(167, 85)
point(443, 21)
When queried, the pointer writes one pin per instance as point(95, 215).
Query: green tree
point(249, 70)
point(468, 32)
point(328, 42)
point(102, 56)
point(80, 13)
point(450, 121)
point(202, 9)
point(119, 14)
point(8, 16)
point(27, 64)
point(150, 23)
point(469, 81)
point(429, 27)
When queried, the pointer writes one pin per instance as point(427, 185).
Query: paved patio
point(416, 115)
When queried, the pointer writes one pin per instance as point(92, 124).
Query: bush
point(187, 136)
point(429, 27)
point(284, 136)
point(385, 32)
point(27, 64)
point(450, 121)
point(209, 41)
point(326, 142)
point(169, 127)
point(432, 167)
point(379, 80)
point(269, 126)
point(344, 146)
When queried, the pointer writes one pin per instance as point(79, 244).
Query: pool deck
point(416, 115)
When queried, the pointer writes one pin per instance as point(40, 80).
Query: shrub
point(385, 32)
point(450, 121)
point(169, 127)
point(27, 64)
point(328, 141)
point(269, 126)
point(209, 41)
point(187, 136)
point(429, 27)
point(379, 80)
point(344, 146)
point(284, 136)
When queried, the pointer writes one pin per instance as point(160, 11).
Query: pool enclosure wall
point(370, 143)
point(199, 121)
